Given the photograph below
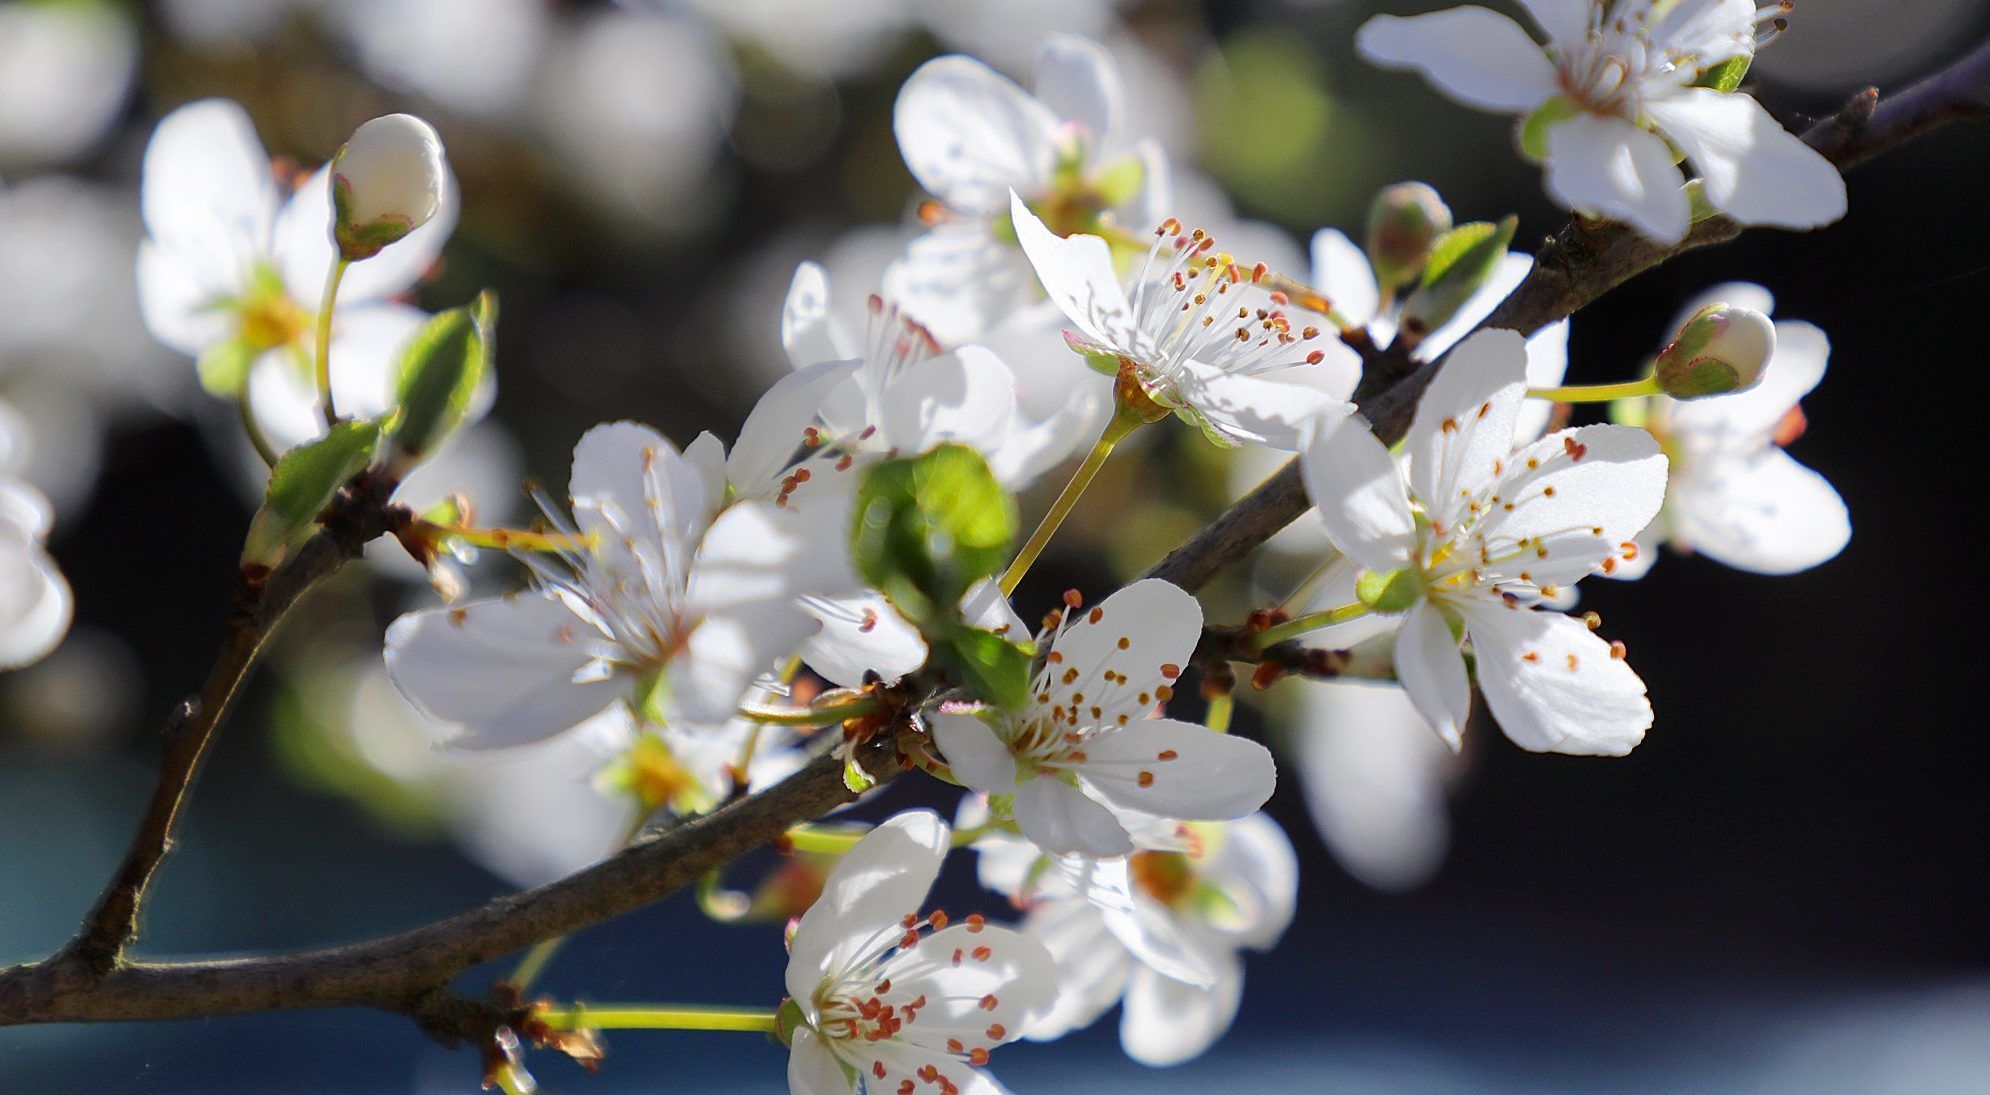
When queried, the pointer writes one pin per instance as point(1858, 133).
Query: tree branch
point(409, 972)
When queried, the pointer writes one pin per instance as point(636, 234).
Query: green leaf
point(1460, 263)
point(1727, 75)
point(439, 374)
point(1534, 131)
point(224, 367)
point(303, 484)
point(928, 527)
point(990, 666)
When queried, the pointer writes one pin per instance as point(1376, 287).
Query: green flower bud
point(1403, 223)
point(1723, 348)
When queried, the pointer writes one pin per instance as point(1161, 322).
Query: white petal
point(1077, 273)
point(1359, 491)
point(208, 191)
point(985, 607)
point(1473, 54)
point(960, 281)
point(1433, 672)
point(813, 1070)
point(956, 969)
point(1144, 633)
point(303, 247)
point(1552, 684)
point(1750, 417)
point(1154, 934)
point(809, 333)
point(1031, 449)
point(1062, 819)
point(978, 756)
point(1547, 364)
point(859, 635)
point(1078, 81)
point(1512, 269)
point(36, 605)
point(1179, 770)
point(903, 1062)
point(706, 455)
point(1255, 865)
point(504, 669)
point(1755, 170)
point(1260, 410)
point(1374, 781)
point(1092, 965)
point(1166, 1022)
point(1560, 499)
point(367, 340)
point(1464, 424)
point(1611, 167)
point(180, 300)
point(728, 651)
point(876, 883)
point(1564, 21)
point(772, 435)
point(1761, 511)
point(1341, 273)
point(967, 396)
point(970, 135)
point(756, 553)
point(632, 489)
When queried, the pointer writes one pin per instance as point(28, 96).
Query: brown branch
point(1583, 262)
point(1220, 647)
point(409, 972)
point(261, 602)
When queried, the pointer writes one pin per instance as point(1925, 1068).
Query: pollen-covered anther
point(1593, 620)
point(1617, 649)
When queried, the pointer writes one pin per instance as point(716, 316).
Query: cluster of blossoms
point(677, 593)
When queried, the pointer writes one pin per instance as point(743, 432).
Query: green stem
point(254, 429)
point(1221, 706)
point(821, 715)
point(1598, 393)
point(339, 264)
point(504, 539)
point(824, 840)
point(658, 1017)
point(1123, 422)
point(1312, 621)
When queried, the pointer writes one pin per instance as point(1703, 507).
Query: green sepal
point(1460, 263)
point(440, 371)
point(1534, 131)
point(787, 1019)
point(990, 666)
point(302, 484)
point(1388, 591)
point(1727, 75)
point(224, 367)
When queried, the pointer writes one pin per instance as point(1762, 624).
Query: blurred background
point(1783, 889)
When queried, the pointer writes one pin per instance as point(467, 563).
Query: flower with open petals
point(971, 136)
point(232, 275)
point(1610, 96)
point(898, 1001)
point(1474, 535)
point(1084, 745)
point(1735, 495)
point(665, 602)
point(1195, 331)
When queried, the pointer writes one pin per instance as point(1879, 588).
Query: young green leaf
point(1461, 262)
point(302, 484)
point(440, 372)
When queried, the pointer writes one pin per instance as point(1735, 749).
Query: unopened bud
point(386, 182)
point(1403, 223)
point(1723, 348)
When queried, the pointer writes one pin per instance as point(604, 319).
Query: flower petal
point(978, 756)
point(1760, 511)
point(1573, 498)
point(1359, 490)
point(976, 978)
point(1564, 21)
point(970, 135)
point(1341, 273)
point(1256, 867)
point(727, 652)
point(1166, 1022)
point(36, 605)
point(1475, 55)
point(1751, 417)
point(208, 191)
point(959, 280)
point(1547, 364)
point(1464, 425)
point(1142, 636)
point(808, 332)
point(1077, 273)
point(859, 635)
point(1178, 770)
point(1093, 967)
point(1552, 684)
point(302, 247)
point(504, 669)
point(1755, 170)
point(757, 553)
point(1611, 167)
point(876, 883)
point(773, 433)
point(1061, 819)
point(1433, 672)
point(1078, 81)
point(967, 396)
point(1263, 410)
point(812, 1069)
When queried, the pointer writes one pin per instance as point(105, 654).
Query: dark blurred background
point(1783, 889)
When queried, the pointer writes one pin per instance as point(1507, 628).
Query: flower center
point(268, 318)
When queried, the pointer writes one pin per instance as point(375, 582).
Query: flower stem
point(1221, 706)
point(1123, 422)
point(504, 539)
point(835, 840)
point(1312, 621)
point(254, 429)
point(821, 715)
point(339, 264)
point(1598, 393)
point(658, 1017)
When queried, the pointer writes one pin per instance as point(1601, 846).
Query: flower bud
point(386, 182)
point(1402, 224)
point(1723, 348)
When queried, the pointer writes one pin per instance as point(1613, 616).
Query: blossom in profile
point(35, 602)
point(231, 273)
point(1735, 495)
point(895, 999)
point(970, 136)
point(664, 601)
point(1196, 332)
point(387, 181)
point(1617, 87)
point(1084, 746)
point(1472, 536)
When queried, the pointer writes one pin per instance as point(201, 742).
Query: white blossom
point(35, 602)
point(673, 605)
point(1735, 495)
point(230, 268)
point(1196, 331)
point(1084, 745)
point(971, 137)
point(65, 71)
point(387, 179)
point(1477, 534)
point(1614, 90)
point(890, 997)
point(1375, 779)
